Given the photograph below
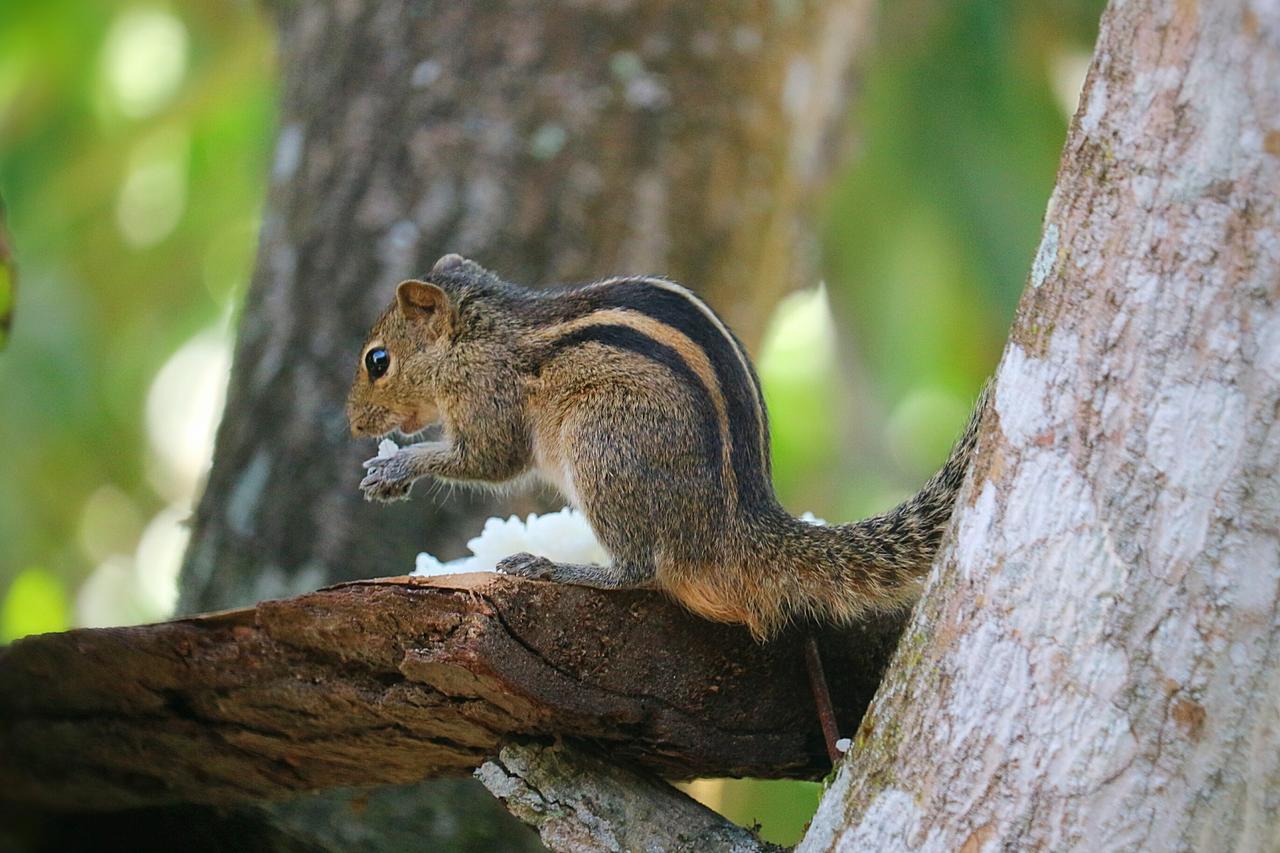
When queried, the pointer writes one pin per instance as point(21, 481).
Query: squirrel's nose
point(354, 421)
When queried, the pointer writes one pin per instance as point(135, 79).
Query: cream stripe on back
point(672, 287)
point(743, 361)
point(690, 352)
point(688, 294)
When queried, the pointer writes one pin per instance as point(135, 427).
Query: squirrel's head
point(395, 386)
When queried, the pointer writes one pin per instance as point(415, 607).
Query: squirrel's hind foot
point(529, 566)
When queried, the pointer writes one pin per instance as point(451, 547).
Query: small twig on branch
point(821, 696)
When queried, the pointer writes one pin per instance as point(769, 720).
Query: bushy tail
point(846, 571)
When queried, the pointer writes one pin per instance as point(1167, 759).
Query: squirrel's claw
point(376, 489)
point(385, 481)
point(527, 566)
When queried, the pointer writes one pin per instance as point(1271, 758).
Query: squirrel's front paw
point(527, 566)
point(389, 478)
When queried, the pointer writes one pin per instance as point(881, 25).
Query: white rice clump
point(562, 537)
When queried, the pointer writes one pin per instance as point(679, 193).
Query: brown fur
point(618, 407)
point(692, 355)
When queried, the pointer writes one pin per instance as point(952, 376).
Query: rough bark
point(394, 681)
point(1096, 660)
point(580, 802)
point(551, 142)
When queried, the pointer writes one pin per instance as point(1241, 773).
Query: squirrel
point(637, 402)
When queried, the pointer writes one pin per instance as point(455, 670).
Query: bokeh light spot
point(154, 192)
point(797, 372)
point(108, 597)
point(800, 339)
point(1067, 70)
point(158, 560)
point(36, 603)
point(144, 59)
point(109, 524)
point(127, 590)
point(182, 410)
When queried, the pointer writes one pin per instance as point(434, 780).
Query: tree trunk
point(1095, 660)
point(551, 142)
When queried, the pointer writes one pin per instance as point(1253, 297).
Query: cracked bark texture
point(580, 802)
point(397, 680)
point(1096, 660)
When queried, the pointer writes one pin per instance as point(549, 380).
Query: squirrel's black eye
point(376, 361)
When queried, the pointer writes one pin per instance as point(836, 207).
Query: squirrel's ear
point(420, 300)
point(458, 265)
point(449, 262)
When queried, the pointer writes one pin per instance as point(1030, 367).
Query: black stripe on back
point(631, 340)
point(740, 389)
point(764, 412)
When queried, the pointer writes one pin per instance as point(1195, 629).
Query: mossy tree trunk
point(1095, 662)
point(551, 142)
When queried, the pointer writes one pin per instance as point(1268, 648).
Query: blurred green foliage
point(780, 809)
point(36, 602)
point(8, 288)
point(928, 238)
point(8, 280)
point(134, 141)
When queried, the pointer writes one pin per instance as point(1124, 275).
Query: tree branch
point(580, 802)
point(396, 680)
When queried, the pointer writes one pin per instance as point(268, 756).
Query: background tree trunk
point(551, 142)
point(1095, 660)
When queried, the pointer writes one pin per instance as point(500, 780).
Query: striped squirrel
point(640, 405)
